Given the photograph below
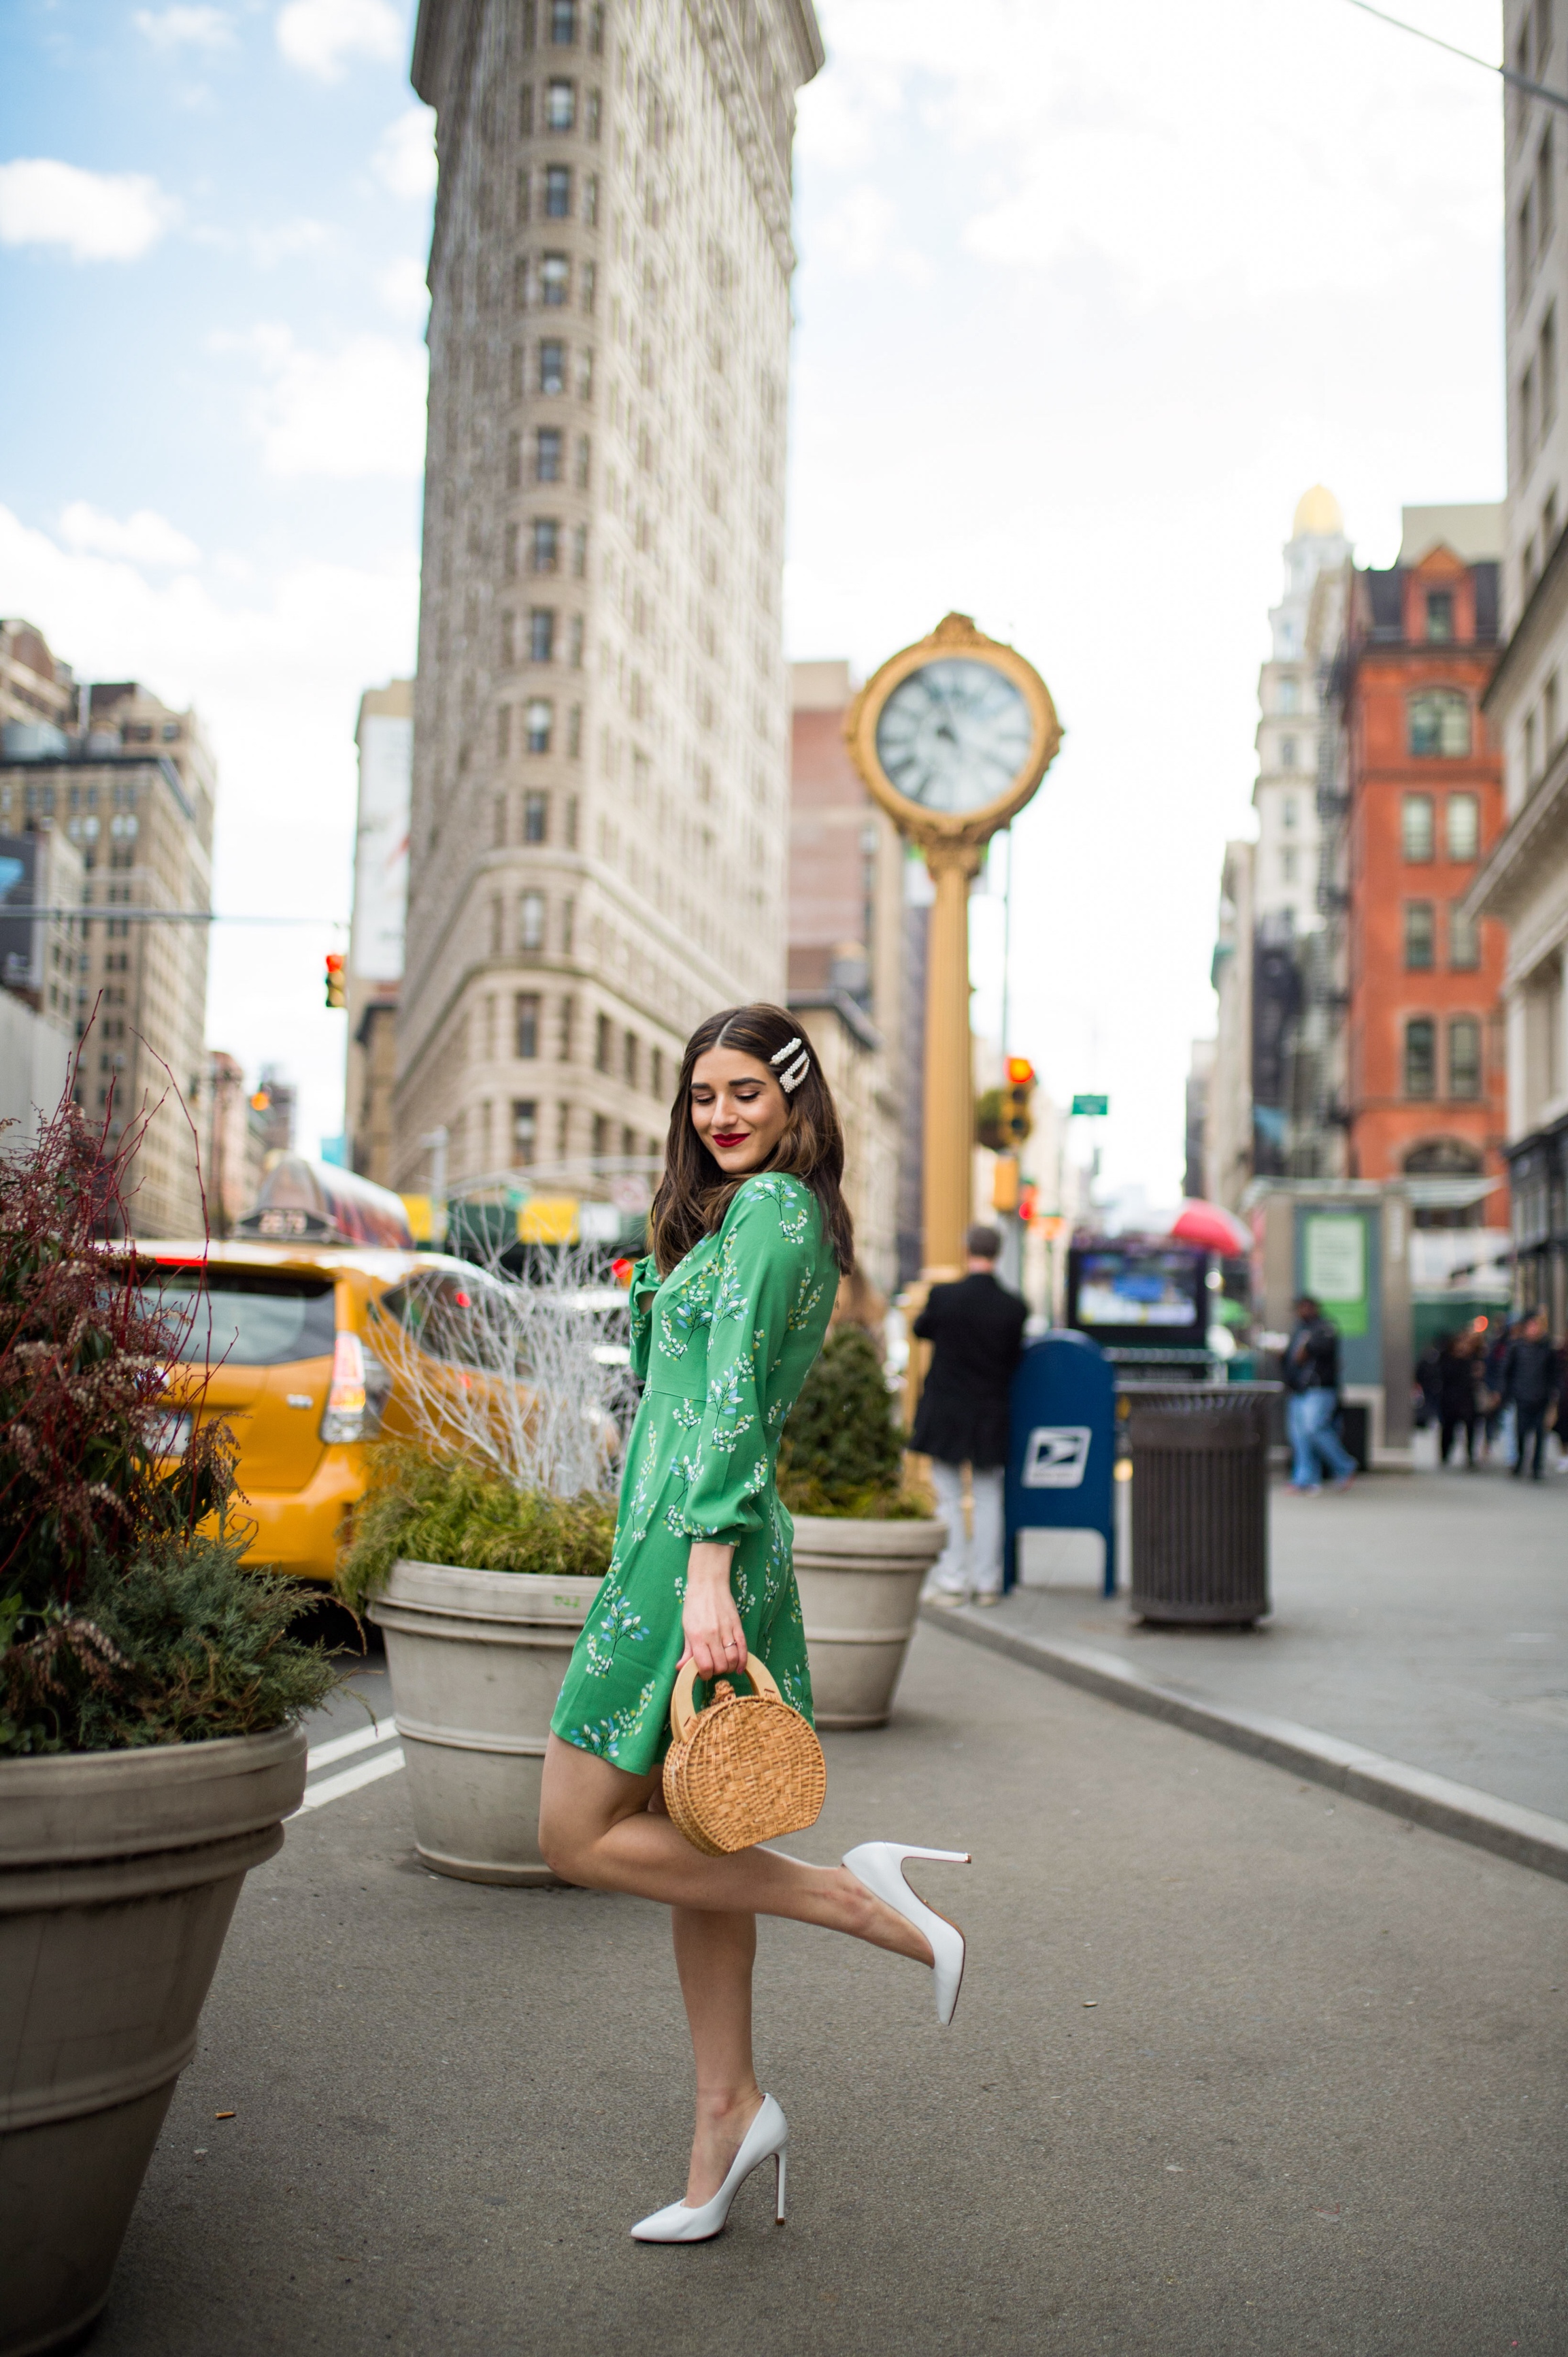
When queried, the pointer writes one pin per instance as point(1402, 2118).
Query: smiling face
point(738, 1109)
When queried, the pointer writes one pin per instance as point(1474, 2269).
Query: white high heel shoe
point(880, 1866)
point(768, 2139)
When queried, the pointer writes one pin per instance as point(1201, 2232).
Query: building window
point(1288, 694)
point(513, 461)
point(1464, 1057)
point(579, 551)
point(508, 553)
point(1463, 816)
point(547, 544)
point(1549, 715)
point(1440, 615)
point(628, 1143)
point(535, 817)
point(568, 1029)
point(1440, 723)
point(601, 1047)
point(1289, 809)
point(1287, 864)
point(1463, 940)
point(497, 841)
point(1287, 752)
point(590, 288)
point(554, 280)
point(1420, 1057)
point(562, 22)
point(569, 908)
point(541, 643)
point(538, 716)
point(547, 455)
point(591, 115)
point(509, 640)
point(591, 199)
point(574, 732)
point(575, 642)
point(525, 1013)
point(585, 461)
point(629, 1059)
point(1417, 829)
point(531, 922)
point(656, 1073)
point(552, 367)
point(524, 1131)
point(558, 192)
point(560, 105)
point(1548, 368)
point(1420, 936)
point(601, 1137)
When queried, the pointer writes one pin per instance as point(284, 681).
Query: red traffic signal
point(1016, 1118)
point(1020, 1072)
point(337, 979)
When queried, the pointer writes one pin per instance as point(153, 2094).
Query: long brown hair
point(695, 1193)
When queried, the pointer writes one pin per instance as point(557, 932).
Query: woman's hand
point(714, 1637)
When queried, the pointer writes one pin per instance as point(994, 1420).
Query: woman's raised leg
point(714, 1956)
point(596, 1829)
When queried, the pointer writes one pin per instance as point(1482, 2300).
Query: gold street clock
point(952, 737)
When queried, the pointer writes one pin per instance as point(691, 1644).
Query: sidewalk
point(1238, 2068)
point(1424, 1615)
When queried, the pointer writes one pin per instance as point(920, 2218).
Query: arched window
point(1440, 723)
point(1445, 1157)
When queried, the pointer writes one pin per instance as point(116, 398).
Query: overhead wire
point(1515, 81)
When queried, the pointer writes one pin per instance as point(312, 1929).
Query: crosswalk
point(383, 1756)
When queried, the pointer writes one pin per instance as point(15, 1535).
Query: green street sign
point(1093, 1106)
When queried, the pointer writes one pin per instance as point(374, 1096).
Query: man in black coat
point(976, 1332)
point(1531, 1379)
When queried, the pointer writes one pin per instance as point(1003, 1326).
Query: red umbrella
point(1211, 1225)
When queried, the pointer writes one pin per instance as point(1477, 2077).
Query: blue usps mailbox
point(1061, 1465)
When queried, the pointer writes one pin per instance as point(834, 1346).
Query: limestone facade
point(600, 810)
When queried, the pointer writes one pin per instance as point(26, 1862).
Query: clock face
point(954, 735)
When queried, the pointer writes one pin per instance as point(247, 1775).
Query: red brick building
point(1416, 804)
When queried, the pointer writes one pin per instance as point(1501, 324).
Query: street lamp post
point(952, 737)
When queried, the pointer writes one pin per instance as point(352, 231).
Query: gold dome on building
point(1318, 512)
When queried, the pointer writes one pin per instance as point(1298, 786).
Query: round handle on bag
point(681, 1714)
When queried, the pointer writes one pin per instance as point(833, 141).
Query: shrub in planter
point(479, 1549)
point(149, 1689)
point(863, 1545)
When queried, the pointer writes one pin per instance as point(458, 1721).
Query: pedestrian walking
point(975, 1329)
point(1531, 1382)
point(1312, 1401)
point(1458, 1396)
point(750, 1235)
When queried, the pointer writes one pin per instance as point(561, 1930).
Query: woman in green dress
point(750, 1235)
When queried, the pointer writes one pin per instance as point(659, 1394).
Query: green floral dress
point(722, 1345)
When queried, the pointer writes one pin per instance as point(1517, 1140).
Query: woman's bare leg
point(596, 1829)
point(714, 1956)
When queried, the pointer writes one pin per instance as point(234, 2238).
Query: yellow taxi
point(273, 1330)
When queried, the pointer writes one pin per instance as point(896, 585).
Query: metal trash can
point(1200, 1503)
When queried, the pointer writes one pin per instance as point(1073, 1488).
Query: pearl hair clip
point(790, 1080)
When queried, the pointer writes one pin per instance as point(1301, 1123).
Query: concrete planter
point(119, 1871)
point(476, 1659)
point(860, 1591)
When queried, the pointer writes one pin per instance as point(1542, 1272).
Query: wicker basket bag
point(744, 1768)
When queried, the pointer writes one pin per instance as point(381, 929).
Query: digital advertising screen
point(1138, 1293)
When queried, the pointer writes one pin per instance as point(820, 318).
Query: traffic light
point(1016, 1118)
point(337, 979)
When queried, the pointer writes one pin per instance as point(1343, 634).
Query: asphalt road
point(1425, 1616)
point(1237, 2067)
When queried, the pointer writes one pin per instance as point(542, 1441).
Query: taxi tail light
point(356, 1393)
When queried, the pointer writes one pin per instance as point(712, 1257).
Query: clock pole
point(948, 1126)
point(992, 710)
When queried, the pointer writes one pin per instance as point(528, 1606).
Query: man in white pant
point(976, 1332)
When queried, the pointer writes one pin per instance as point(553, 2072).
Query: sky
point(1078, 320)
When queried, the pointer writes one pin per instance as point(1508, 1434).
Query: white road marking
point(335, 1788)
point(343, 1747)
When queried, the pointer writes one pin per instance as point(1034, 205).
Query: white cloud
point(859, 235)
point(96, 216)
point(175, 28)
point(356, 411)
point(318, 36)
point(402, 287)
point(404, 160)
point(275, 670)
point(146, 538)
point(271, 246)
